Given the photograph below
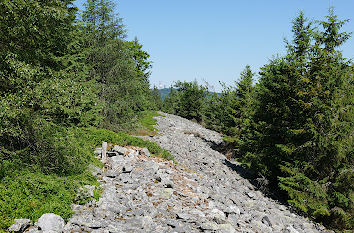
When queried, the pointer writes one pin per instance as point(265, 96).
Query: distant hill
point(166, 91)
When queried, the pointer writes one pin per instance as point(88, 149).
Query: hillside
point(201, 191)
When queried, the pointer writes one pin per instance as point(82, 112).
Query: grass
point(29, 194)
point(145, 124)
point(96, 136)
point(26, 191)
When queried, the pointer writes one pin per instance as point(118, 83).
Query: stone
point(127, 168)
point(111, 174)
point(150, 165)
point(233, 218)
point(290, 229)
point(260, 227)
point(226, 228)
point(20, 225)
point(146, 221)
point(184, 216)
point(84, 194)
point(33, 230)
point(212, 226)
point(267, 221)
point(232, 209)
point(217, 215)
point(121, 150)
point(251, 194)
point(96, 224)
point(51, 222)
point(132, 153)
point(145, 151)
point(166, 193)
point(112, 153)
point(117, 160)
point(98, 152)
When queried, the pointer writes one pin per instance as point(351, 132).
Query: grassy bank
point(28, 191)
point(145, 124)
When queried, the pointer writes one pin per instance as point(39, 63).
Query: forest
point(294, 126)
point(70, 80)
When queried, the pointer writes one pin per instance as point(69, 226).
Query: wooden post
point(104, 152)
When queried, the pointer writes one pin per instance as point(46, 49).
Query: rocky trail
point(201, 192)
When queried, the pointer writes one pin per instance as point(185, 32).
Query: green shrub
point(27, 190)
point(28, 194)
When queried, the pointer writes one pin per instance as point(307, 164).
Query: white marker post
point(104, 152)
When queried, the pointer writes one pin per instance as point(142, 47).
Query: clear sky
point(213, 40)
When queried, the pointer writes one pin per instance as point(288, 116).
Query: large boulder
point(51, 222)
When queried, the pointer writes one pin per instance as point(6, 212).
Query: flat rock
point(51, 222)
point(121, 150)
point(20, 225)
point(217, 215)
point(145, 151)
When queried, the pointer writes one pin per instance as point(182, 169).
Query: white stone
point(20, 225)
point(290, 229)
point(51, 222)
point(218, 216)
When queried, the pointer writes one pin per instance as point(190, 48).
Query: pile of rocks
point(202, 192)
point(48, 223)
point(220, 181)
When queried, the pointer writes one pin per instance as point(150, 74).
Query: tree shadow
point(259, 182)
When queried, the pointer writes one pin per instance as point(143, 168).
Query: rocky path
point(242, 207)
point(202, 192)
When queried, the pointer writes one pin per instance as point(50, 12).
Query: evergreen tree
point(171, 102)
point(156, 99)
point(120, 67)
point(43, 84)
point(192, 100)
point(242, 108)
point(303, 121)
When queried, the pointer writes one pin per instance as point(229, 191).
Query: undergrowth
point(145, 124)
point(28, 191)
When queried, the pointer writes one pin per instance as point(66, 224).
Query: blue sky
point(213, 40)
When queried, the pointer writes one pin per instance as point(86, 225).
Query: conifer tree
point(192, 100)
point(43, 84)
point(242, 111)
point(119, 67)
point(303, 122)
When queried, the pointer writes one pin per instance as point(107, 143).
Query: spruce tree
point(43, 84)
point(119, 67)
point(303, 118)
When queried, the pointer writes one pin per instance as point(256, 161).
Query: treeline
point(60, 70)
point(62, 75)
point(295, 126)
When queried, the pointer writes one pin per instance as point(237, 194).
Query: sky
point(213, 40)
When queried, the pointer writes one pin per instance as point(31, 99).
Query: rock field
point(201, 192)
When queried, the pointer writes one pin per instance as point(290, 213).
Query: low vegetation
point(145, 124)
point(29, 191)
